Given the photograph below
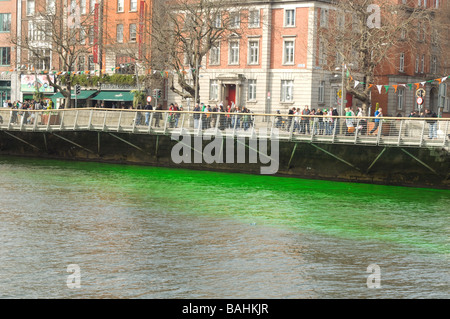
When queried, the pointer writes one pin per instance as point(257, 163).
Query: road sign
point(339, 93)
point(419, 100)
point(421, 92)
point(149, 99)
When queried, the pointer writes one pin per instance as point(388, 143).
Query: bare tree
point(56, 37)
point(185, 31)
point(369, 36)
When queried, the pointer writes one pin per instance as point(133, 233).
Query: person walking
point(378, 114)
point(432, 128)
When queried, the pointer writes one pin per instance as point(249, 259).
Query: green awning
point(114, 96)
point(82, 96)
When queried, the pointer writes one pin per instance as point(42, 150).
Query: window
point(30, 7)
point(288, 52)
point(323, 18)
point(251, 90)
point(132, 32)
point(214, 54)
point(217, 21)
point(91, 34)
point(127, 64)
point(92, 5)
point(81, 63)
point(235, 19)
point(322, 53)
point(41, 59)
point(51, 6)
point(254, 18)
point(83, 6)
point(120, 6)
point(422, 69)
point(213, 90)
point(434, 65)
point(119, 33)
point(289, 18)
point(321, 91)
point(133, 5)
point(91, 65)
point(417, 65)
point(253, 52)
point(340, 21)
point(234, 53)
point(400, 98)
point(5, 22)
point(5, 56)
point(82, 36)
point(287, 90)
point(401, 67)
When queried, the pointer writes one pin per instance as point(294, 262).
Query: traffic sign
point(421, 92)
point(419, 100)
point(149, 99)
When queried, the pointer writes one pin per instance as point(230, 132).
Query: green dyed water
point(157, 232)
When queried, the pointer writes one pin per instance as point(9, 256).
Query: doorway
point(230, 94)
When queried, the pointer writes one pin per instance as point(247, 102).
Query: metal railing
point(388, 131)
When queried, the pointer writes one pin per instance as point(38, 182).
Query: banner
point(95, 47)
point(29, 83)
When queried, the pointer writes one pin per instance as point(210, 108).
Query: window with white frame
point(321, 98)
point(253, 52)
point(400, 98)
point(119, 33)
point(30, 7)
point(91, 34)
point(5, 22)
point(288, 52)
point(83, 6)
point(251, 90)
point(401, 67)
point(233, 56)
point(217, 20)
point(254, 18)
point(81, 63)
point(287, 90)
point(235, 19)
point(51, 6)
point(289, 18)
point(213, 90)
point(120, 5)
point(214, 54)
point(91, 64)
point(340, 21)
point(133, 34)
point(133, 5)
point(82, 35)
point(91, 5)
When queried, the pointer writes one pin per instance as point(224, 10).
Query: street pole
point(343, 92)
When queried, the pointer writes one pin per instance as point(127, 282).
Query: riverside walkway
point(392, 131)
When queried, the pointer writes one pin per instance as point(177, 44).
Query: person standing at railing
point(432, 129)
point(378, 114)
point(148, 107)
point(328, 121)
point(304, 121)
point(361, 125)
point(349, 121)
point(196, 116)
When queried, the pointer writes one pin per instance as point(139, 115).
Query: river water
point(146, 232)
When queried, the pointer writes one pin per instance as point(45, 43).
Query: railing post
point(36, 114)
point(134, 122)
point(165, 122)
point(312, 128)
point(273, 124)
point(120, 120)
point(150, 123)
point(380, 127)
point(421, 134)
point(445, 134)
point(76, 120)
point(104, 121)
point(90, 120)
point(400, 133)
point(334, 129)
point(10, 119)
point(291, 128)
point(61, 125)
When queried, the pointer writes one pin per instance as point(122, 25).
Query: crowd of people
point(25, 106)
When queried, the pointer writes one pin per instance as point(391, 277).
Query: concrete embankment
point(416, 167)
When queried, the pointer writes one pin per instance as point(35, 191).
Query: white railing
point(390, 131)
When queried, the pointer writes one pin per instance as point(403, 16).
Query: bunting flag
point(379, 88)
point(356, 83)
point(387, 88)
point(395, 88)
